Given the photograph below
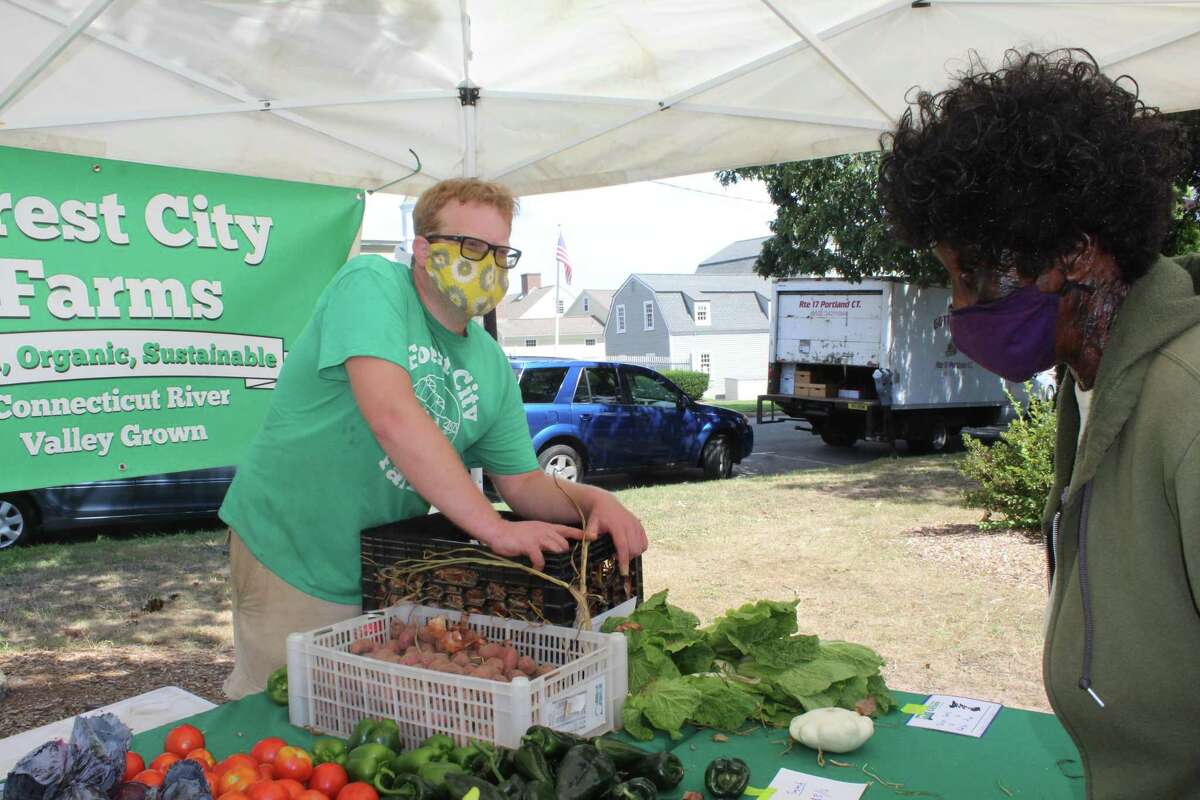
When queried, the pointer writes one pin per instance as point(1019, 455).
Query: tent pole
point(77, 26)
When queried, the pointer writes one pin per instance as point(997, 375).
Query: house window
point(620, 319)
point(560, 306)
point(648, 316)
point(531, 342)
point(589, 342)
point(585, 305)
point(705, 362)
point(703, 313)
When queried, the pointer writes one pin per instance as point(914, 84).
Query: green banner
point(145, 311)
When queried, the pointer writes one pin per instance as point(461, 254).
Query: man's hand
point(607, 515)
point(529, 539)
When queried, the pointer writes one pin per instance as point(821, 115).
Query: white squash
point(832, 730)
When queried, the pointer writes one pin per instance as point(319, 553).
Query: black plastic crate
point(496, 591)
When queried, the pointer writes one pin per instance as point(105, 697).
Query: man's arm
point(535, 495)
point(416, 445)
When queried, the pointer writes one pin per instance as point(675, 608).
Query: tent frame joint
point(468, 95)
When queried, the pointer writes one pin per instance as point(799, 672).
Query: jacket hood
point(1161, 305)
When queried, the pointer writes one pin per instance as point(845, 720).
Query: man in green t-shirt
point(388, 395)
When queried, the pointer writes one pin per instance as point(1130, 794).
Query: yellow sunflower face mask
point(475, 287)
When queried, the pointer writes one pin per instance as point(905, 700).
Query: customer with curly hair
point(1045, 188)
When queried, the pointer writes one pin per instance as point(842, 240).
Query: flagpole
point(557, 270)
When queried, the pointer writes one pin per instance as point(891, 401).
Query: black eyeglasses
point(477, 249)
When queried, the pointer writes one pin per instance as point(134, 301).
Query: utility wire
point(713, 194)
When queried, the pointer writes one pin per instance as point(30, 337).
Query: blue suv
point(603, 416)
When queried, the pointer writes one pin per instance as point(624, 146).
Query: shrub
point(1015, 474)
point(693, 384)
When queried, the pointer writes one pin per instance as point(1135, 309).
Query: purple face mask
point(1012, 337)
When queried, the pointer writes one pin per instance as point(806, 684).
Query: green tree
point(829, 219)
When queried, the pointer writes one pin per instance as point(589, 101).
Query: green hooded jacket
point(1123, 675)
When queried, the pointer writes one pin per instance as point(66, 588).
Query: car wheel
point(935, 439)
point(16, 521)
point(562, 460)
point(718, 459)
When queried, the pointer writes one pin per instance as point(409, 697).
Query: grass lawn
point(743, 406)
point(882, 554)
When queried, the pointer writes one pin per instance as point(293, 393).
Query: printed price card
point(801, 786)
point(960, 715)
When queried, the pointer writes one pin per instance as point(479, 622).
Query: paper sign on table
point(800, 786)
point(961, 715)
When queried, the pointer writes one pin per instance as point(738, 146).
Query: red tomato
point(233, 796)
point(164, 762)
point(212, 783)
point(328, 779)
point(311, 794)
point(267, 790)
point(358, 791)
point(266, 749)
point(294, 763)
point(149, 777)
point(266, 772)
point(236, 778)
point(133, 765)
point(183, 740)
point(293, 787)
point(236, 760)
point(204, 757)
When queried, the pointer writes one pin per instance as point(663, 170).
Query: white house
point(525, 321)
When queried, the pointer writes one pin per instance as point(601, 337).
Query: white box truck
point(874, 360)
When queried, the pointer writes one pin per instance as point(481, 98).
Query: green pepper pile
point(548, 765)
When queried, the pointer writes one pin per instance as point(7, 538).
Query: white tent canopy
point(545, 95)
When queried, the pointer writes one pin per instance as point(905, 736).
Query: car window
point(649, 390)
point(541, 385)
point(598, 385)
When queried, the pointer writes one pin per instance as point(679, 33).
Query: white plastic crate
point(330, 690)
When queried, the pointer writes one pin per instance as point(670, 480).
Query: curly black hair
point(1015, 167)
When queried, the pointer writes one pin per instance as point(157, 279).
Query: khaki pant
point(265, 610)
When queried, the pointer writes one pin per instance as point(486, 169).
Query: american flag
point(560, 255)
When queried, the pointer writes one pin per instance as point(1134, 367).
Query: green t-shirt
point(315, 475)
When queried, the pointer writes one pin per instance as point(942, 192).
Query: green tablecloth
point(1024, 752)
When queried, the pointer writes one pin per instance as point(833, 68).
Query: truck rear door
point(830, 326)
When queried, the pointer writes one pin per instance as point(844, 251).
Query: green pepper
point(664, 770)
point(584, 774)
point(328, 750)
point(434, 773)
point(634, 789)
point(726, 777)
point(277, 686)
point(468, 757)
point(531, 764)
point(440, 742)
point(623, 755)
point(539, 790)
point(364, 761)
point(412, 761)
point(460, 784)
point(491, 764)
point(554, 744)
point(512, 787)
point(401, 785)
point(379, 731)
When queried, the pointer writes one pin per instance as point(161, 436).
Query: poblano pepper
point(531, 764)
point(634, 789)
point(402, 785)
point(412, 761)
point(364, 761)
point(623, 755)
point(378, 731)
point(277, 686)
point(467, 757)
point(726, 777)
point(664, 770)
point(458, 785)
point(554, 744)
point(584, 774)
point(539, 790)
point(328, 750)
point(435, 772)
point(512, 787)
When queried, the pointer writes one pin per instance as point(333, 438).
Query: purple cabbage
point(98, 747)
point(40, 774)
point(184, 781)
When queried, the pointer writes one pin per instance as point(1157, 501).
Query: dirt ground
point(882, 554)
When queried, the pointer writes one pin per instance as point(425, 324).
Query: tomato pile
point(272, 770)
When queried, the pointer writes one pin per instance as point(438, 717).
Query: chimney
point(530, 281)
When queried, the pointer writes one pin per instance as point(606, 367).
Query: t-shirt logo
point(440, 404)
